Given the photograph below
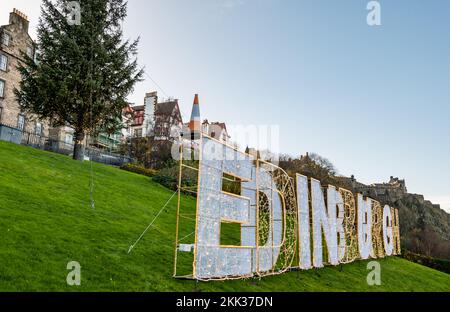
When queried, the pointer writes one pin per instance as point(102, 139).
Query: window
point(38, 129)
point(30, 51)
point(2, 88)
point(21, 122)
point(36, 57)
point(3, 62)
point(6, 39)
point(69, 138)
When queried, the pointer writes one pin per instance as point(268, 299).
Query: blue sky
point(374, 100)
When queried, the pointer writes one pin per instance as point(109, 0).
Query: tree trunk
point(78, 150)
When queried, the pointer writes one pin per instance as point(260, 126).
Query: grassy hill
point(46, 221)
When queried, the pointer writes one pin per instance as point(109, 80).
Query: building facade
point(161, 120)
point(216, 130)
point(15, 40)
point(143, 116)
point(62, 138)
point(167, 121)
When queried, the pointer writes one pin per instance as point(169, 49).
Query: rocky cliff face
point(424, 226)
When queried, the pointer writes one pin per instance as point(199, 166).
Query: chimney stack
point(18, 18)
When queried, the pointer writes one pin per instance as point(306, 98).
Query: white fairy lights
point(277, 220)
point(364, 226)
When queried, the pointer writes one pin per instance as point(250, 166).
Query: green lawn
point(46, 221)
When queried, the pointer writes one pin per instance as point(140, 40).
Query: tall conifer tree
point(85, 69)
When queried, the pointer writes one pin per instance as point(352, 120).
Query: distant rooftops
point(166, 108)
point(220, 125)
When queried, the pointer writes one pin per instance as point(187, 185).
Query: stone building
point(391, 191)
point(14, 39)
point(161, 120)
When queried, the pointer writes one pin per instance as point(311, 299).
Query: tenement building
point(15, 40)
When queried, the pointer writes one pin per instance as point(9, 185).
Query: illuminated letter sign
point(323, 219)
point(274, 218)
point(364, 226)
point(303, 222)
point(215, 207)
point(387, 231)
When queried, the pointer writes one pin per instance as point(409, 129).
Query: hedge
point(139, 170)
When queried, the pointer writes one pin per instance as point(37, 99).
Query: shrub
point(139, 170)
point(437, 264)
point(168, 177)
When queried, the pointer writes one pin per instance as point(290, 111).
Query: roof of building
point(138, 108)
point(128, 110)
point(166, 108)
point(222, 125)
point(21, 15)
